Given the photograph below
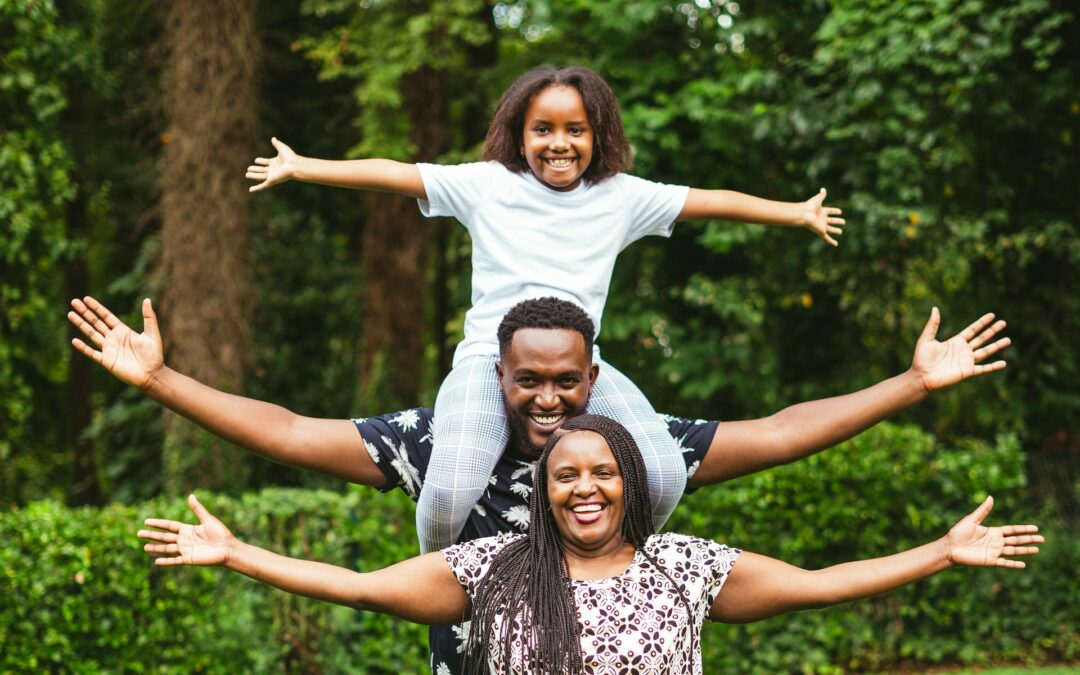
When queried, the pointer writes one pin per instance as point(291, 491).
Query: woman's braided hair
point(528, 583)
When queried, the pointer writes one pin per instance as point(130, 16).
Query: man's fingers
point(169, 561)
point(987, 335)
point(149, 318)
point(837, 221)
point(979, 514)
point(929, 331)
point(102, 311)
point(973, 330)
point(1012, 564)
point(832, 211)
point(833, 230)
point(198, 509)
point(162, 524)
point(1024, 539)
point(157, 535)
point(85, 350)
point(988, 368)
point(161, 549)
point(830, 240)
point(1014, 530)
point(988, 350)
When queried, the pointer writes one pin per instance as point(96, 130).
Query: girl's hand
point(134, 358)
point(943, 364)
point(274, 170)
point(207, 543)
point(822, 220)
point(971, 543)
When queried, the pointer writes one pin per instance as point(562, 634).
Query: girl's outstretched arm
point(729, 205)
point(381, 175)
point(421, 589)
point(759, 587)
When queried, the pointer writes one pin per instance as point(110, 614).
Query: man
point(546, 374)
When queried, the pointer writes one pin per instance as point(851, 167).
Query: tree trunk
point(210, 104)
point(395, 251)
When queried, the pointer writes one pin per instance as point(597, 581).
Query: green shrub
point(79, 594)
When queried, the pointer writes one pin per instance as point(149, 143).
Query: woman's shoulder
point(685, 546)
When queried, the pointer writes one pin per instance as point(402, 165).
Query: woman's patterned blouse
point(631, 623)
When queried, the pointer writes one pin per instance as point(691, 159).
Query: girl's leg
point(615, 396)
point(471, 434)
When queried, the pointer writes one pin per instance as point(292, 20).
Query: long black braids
point(526, 592)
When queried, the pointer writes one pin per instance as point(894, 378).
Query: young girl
point(548, 211)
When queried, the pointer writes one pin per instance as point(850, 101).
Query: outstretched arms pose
point(424, 590)
point(334, 448)
point(331, 447)
point(798, 431)
point(384, 175)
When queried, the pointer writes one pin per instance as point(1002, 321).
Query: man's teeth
point(546, 419)
point(560, 163)
point(587, 508)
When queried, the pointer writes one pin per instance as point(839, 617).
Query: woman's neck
point(610, 559)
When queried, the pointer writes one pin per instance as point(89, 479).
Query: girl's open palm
point(207, 543)
point(270, 171)
point(134, 358)
point(972, 543)
point(822, 220)
point(942, 364)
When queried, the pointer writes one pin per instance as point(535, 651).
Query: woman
point(591, 587)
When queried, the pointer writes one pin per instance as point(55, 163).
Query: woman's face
point(585, 490)
point(557, 141)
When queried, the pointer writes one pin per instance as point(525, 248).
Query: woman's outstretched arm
point(421, 589)
point(381, 175)
point(759, 587)
point(812, 214)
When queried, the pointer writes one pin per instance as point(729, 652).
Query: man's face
point(546, 377)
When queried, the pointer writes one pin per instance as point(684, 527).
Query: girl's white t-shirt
point(530, 241)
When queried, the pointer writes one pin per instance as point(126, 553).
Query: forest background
point(947, 130)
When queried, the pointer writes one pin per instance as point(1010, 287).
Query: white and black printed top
point(631, 623)
point(400, 445)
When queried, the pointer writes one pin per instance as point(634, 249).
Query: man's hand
point(943, 364)
point(972, 543)
point(134, 358)
point(274, 170)
point(820, 219)
point(207, 543)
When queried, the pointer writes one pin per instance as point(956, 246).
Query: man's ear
point(594, 372)
point(499, 372)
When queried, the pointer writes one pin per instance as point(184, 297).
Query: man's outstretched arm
point(740, 448)
point(332, 447)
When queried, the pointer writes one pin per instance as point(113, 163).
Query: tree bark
point(210, 104)
point(395, 250)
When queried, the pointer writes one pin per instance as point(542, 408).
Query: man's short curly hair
point(551, 313)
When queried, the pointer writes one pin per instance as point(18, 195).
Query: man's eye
point(569, 382)
point(526, 382)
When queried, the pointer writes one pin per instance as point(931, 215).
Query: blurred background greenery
point(945, 129)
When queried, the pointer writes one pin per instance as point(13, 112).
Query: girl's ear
point(521, 151)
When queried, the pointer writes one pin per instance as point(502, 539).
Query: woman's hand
point(820, 219)
point(274, 170)
point(208, 543)
point(943, 364)
point(971, 543)
point(134, 358)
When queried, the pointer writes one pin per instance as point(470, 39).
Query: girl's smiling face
point(557, 141)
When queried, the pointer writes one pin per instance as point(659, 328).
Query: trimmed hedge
point(80, 595)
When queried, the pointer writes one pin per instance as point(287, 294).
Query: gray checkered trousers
point(471, 433)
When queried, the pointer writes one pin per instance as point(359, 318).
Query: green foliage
point(83, 597)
